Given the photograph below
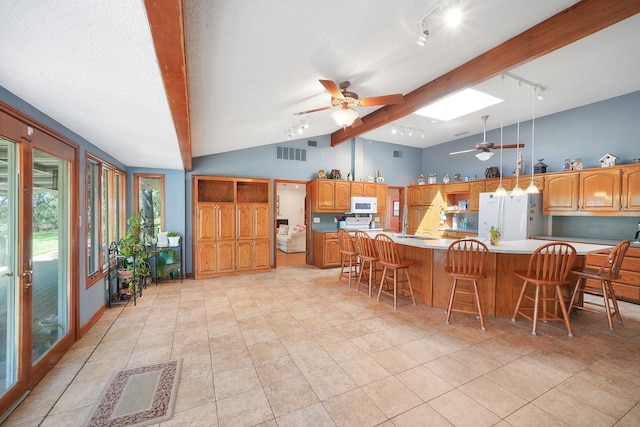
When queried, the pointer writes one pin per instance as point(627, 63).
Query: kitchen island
point(499, 291)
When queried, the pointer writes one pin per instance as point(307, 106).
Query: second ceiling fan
point(345, 102)
point(485, 147)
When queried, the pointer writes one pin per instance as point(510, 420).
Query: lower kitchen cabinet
point(326, 249)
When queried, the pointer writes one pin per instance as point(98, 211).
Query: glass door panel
point(9, 312)
point(51, 252)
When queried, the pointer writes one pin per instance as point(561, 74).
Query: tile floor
point(295, 347)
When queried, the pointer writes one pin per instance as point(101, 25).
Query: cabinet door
point(244, 255)
point(261, 222)
point(492, 185)
point(371, 190)
point(206, 222)
point(342, 201)
point(226, 221)
point(631, 189)
point(244, 214)
point(560, 192)
point(261, 254)
point(331, 252)
point(600, 190)
point(422, 194)
point(475, 188)
point(225, 256)
point(430, 222)
point(357, 189)
point(381, 195)
point(324, 195)
point(414, 219)
point(205, 259)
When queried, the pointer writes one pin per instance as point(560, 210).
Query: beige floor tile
point(71, 418)
point(364, 370)
point(532, 416)
point(461, 410)
point(497, 399)
point(354, 409)
point(329, 381)
point(278, 369)
point(631, 418)
point(312, 359)
point(394, 360)
point(421, 350)
point(420, 415)
point(248, 408)
point(204, 415)
point(343, 350)
point(391, 396)
point(424, 383)
point(452, 371)
point(194, 393)
point(289, 395)
point(371, 343)
point(235, 381)
point(311, 416)
point(571, 410)
point(266, 350)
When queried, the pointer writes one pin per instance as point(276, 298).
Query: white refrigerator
point(517, 217)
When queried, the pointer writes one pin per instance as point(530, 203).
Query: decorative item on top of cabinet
point(608, 160)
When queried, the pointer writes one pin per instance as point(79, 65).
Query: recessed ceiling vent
point(289, 153)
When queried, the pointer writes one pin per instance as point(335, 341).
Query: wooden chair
point(549, 268)
point(368, 254)
point(466, 260)
point(393, 268)
point(348, 256)
point(597, 281)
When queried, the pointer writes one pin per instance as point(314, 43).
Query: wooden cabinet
point(330, 195)
point(627, 287)
point(560, 193)
point(631, 189)
point(382, 196)
point(230, 225)
point(326, 249)
point(423, 220)
point(475, 188)
point(422, 195)
point(600, 190)
point(492, 184)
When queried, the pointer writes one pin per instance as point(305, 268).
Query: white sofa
point(291, 239)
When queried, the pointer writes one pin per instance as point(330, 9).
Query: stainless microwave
point(364, 205)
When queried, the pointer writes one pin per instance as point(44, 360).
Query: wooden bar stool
point(466, 260)
point(348, 256)
point(597, 281)
point(392, 263)
point(549, 268)
point(368, 257)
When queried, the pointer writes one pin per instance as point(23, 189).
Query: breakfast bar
point(499, 291)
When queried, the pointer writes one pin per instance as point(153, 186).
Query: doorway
point(290, 228)
point(37, 320)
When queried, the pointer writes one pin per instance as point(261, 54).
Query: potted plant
point(174, 238)
point(494, 235)
point(134, 250)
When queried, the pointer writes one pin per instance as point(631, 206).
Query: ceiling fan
point(485, 147)
point(345, 102)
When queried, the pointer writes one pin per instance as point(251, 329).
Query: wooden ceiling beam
point(166, 20)
point(578, 21)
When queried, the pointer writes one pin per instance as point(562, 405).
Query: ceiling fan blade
point(463, 151)
point(332, 88)
point(497, 147)
point(311, 111)
point(357, 122)
point(396, 98)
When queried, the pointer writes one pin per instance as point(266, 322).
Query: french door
point(37, 323)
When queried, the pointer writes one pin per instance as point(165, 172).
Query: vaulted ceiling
point(157, 83)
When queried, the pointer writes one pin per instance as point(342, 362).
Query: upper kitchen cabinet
point(560, 194)
point(422, 195)
point(631, 189)
point(600, 190)
point(330, 195)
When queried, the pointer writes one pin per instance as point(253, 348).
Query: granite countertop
point(507, 247)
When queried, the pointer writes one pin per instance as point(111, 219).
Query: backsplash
point(604, 227)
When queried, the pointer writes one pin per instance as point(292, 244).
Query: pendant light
point(517, 191)
point(532, 189)
point(500, 191)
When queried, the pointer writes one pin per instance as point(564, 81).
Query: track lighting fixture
point(539, 92)
point(403, 130)
point(298, 127)
point(424, 34)
point(452, 16)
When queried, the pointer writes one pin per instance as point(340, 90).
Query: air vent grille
point(290, 153)
point(397, 153)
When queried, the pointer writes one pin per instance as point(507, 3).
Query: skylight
point(457, 105)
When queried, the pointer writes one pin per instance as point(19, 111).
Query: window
point(105, 214)
point(149, 189)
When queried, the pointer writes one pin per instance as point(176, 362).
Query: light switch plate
point(316, 220)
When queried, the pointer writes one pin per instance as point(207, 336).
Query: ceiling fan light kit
point(344, 117)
